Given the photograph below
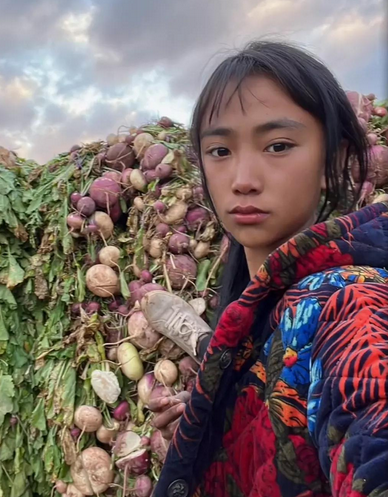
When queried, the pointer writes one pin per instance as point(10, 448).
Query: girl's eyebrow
point(259, 129)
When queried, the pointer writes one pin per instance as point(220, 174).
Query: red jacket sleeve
point(348, 396)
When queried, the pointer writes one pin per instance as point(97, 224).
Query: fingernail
point(182, 407)
point(164, 402)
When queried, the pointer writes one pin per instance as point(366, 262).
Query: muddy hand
point(168, 410)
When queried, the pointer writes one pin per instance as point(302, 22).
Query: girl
point(291, 397)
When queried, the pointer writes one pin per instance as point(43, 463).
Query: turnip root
point(184, 193)
point(159, 446)
point(130, 362)
point(138, 180)
point(136, 463)
point(367, 189)
point(75, 433)
point(87, 418)
point(160, 206)
point(120, 156)
point(162, 229)
point(179, 243)
point(156, 248)
point(104, 223)
point(106, 434)
point(163, 171)
point(198, 193)
point(153, 156)
point(126, 443)
point(60, 486)
point(121, 412)
point(106, 386)
point(75, 221)
point(181, 269)
point(202, 250)
point(145, 441)
point(72, 491)
point(102, 281)
point(143, 486)
point(86, 206)
point(149, 287)
point(112, 139)
point(214, 302)
point(150, 176)
point(379, 159)
point(138, 202)
point(175, 214)
point(123, 310)
point(380, 111)
point(141, 143)
point(199, 305)
point(142, 335)
point(362, 106)
point(126, 176)
point(166, 372)
point(91, 473)
point(105, 192)
point(109, 256)
point(196, 218)
point(115, 175)
point(111, 354)
point(145, 387)
point(92, 308)
point(372, 138)
point(115, 212)
point(134, 288)
point(146, 276)
point(165, 122)
point(75, 197)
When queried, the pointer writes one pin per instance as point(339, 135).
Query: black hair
point(314, 88)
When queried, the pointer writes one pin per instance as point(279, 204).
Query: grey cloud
point(181, 39)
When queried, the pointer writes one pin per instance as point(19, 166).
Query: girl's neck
point(255, 259)
point(257, 256)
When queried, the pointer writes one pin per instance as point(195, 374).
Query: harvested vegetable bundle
point(373, 118)
point(113, 220)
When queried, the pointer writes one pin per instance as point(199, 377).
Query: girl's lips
point(249, 218)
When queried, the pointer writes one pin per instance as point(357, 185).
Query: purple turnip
point(121, 412)
point(179, 243)
point(153, 156)
point(181, 269)
point(86, 206)
point(105, 192)
point(75, 198)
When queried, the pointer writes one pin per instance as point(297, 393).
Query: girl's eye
point(219, 152)
point(279, 147)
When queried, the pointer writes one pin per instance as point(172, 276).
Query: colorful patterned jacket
point(296, 405)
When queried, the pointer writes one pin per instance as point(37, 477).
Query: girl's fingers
point(162, 420)
point(168, 432)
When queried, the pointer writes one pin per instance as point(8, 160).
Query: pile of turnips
point(83, 239)
point(112, 221)
point(373, 118)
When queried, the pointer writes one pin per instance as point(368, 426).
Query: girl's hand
point(168, 411)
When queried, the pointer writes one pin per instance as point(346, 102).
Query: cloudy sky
point(75, 70)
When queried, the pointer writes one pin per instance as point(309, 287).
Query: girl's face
point(264, 164)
